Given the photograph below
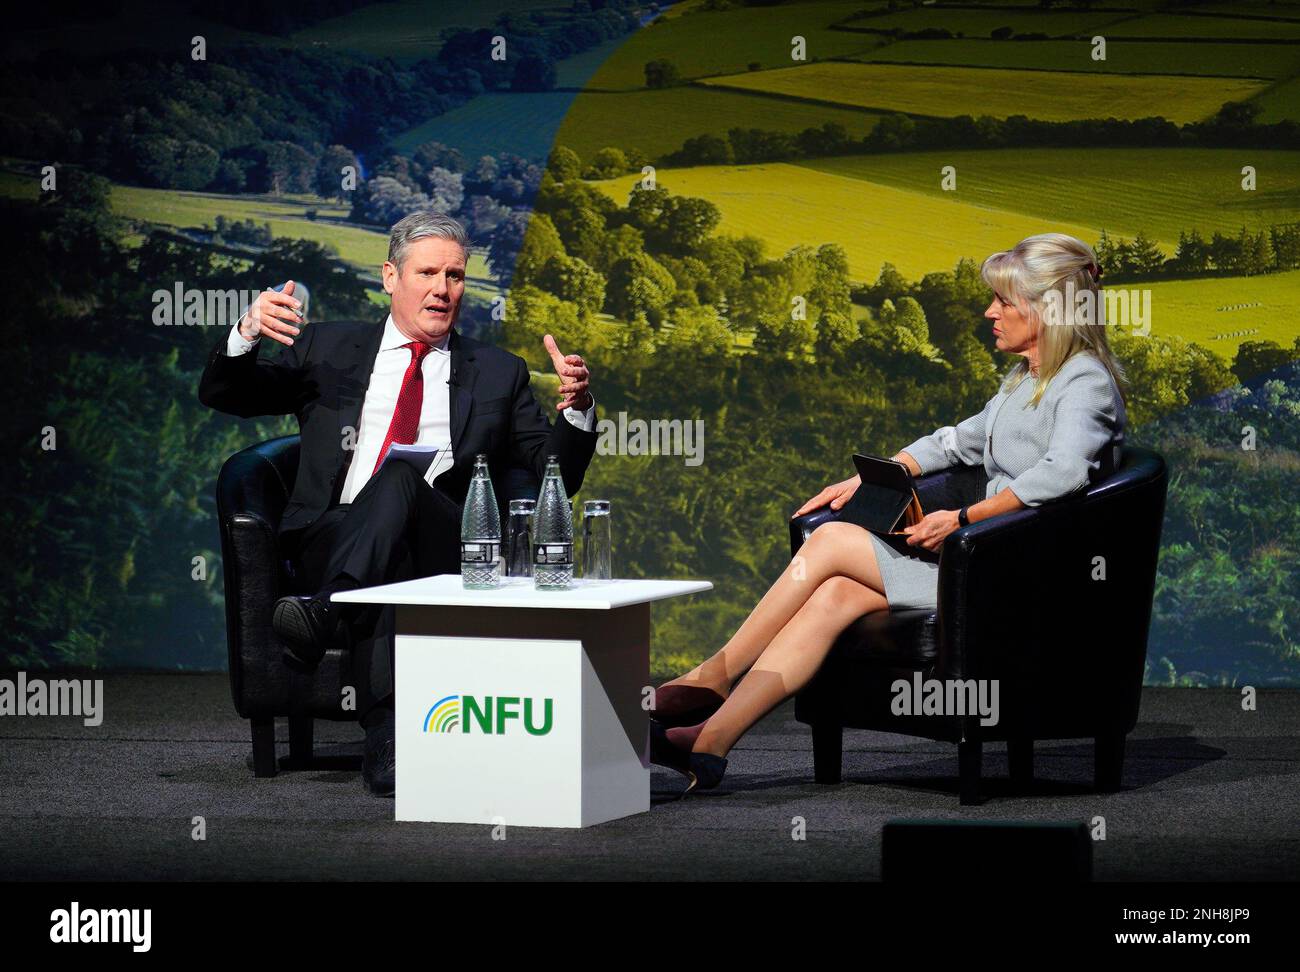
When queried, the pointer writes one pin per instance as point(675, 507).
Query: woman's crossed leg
point(832, 581)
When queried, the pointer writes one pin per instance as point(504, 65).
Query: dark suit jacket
point(322, 379)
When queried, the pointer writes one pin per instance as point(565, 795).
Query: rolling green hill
point(364, 249)
point(789, 205)
point(407, 30)
point(979, 21)
point(922, 230)
point(1122, 56)
point(1189, 25)
point(724, 41)
point(657, 122)
point(520, 122)
point(1156, 191)
point(1220, 313)
point(952, 91)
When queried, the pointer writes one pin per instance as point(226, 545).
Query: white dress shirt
point(381, 401)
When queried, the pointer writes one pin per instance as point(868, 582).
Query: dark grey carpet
point(1210, 794)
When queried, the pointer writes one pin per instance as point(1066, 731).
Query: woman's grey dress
point(1073, 436)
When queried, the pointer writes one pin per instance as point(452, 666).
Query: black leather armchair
point(1017, 602)
point(253, 489)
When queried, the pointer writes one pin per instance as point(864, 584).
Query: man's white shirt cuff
point(236, 344)
point(582, 420)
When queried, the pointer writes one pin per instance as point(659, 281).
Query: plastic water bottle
point(552, 533)
point(480, 532)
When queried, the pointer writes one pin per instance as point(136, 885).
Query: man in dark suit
point(356, 388)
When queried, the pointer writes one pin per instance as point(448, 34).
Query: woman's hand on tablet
point(836, 495)
point(932, 530)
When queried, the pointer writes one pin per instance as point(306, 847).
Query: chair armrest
point(250, 553)
point(1054, 601)
point(258, 481)
point(992, 581)
point(927, 487)
point(802, 526)
point(253, 489)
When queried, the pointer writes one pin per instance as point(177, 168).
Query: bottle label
point(478, 551)
point(553, 553)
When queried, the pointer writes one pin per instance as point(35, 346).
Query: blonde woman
point(1056, 424)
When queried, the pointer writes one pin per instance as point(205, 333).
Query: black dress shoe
point(706, 771)
point(703, 770)
point(379, 765)
point(664, 753)
point(684, 705)
point(308, 628)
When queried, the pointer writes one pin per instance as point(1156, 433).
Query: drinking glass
point(519, 538)
point(596, 543)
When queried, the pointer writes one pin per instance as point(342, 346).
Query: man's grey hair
point(418, 226)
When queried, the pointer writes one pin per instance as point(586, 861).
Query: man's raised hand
point(574, 377)
point(277, 314)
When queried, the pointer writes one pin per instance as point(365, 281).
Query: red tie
point(406, 416)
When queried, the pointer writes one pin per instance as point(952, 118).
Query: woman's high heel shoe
point(704, 770)
point(684, 705)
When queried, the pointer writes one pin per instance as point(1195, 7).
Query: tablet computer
point(886, 492)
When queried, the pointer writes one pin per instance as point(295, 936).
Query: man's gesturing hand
point(574, 377)
point(277, 314)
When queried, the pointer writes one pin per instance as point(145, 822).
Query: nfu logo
point(461, 713)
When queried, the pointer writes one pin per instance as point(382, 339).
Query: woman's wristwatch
point(962, 517)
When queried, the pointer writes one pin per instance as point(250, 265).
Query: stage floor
point(1210, 794)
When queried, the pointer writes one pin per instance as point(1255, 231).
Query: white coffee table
point(522, 707)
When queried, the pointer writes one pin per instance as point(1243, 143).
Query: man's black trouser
point(397, 528)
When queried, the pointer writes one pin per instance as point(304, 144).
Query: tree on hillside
point(383, 201)
point(330, 172)
point(481, 216)
point(1286, 246)
point(444, 188)
point(1255, 358)
point(661, 73)
point(563, 164)
point(705, 150)
point(911, 329)
point(540, 243)
point(1142, 257)
point(534, 72)
point(889, 285)
point(583, 232)
point(1256, 253)
point(1226, 252)
point(683, 224)
point(830, 289)
point(638, 284)
point(287, 168)
point(174, 163)
point(1193, 254)
point(607, 163)
point(429, 154)
point(573, 280)
point(507, 238)
point(1165, 374)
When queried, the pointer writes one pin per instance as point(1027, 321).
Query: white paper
point(441, 460)
point(422, 457)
